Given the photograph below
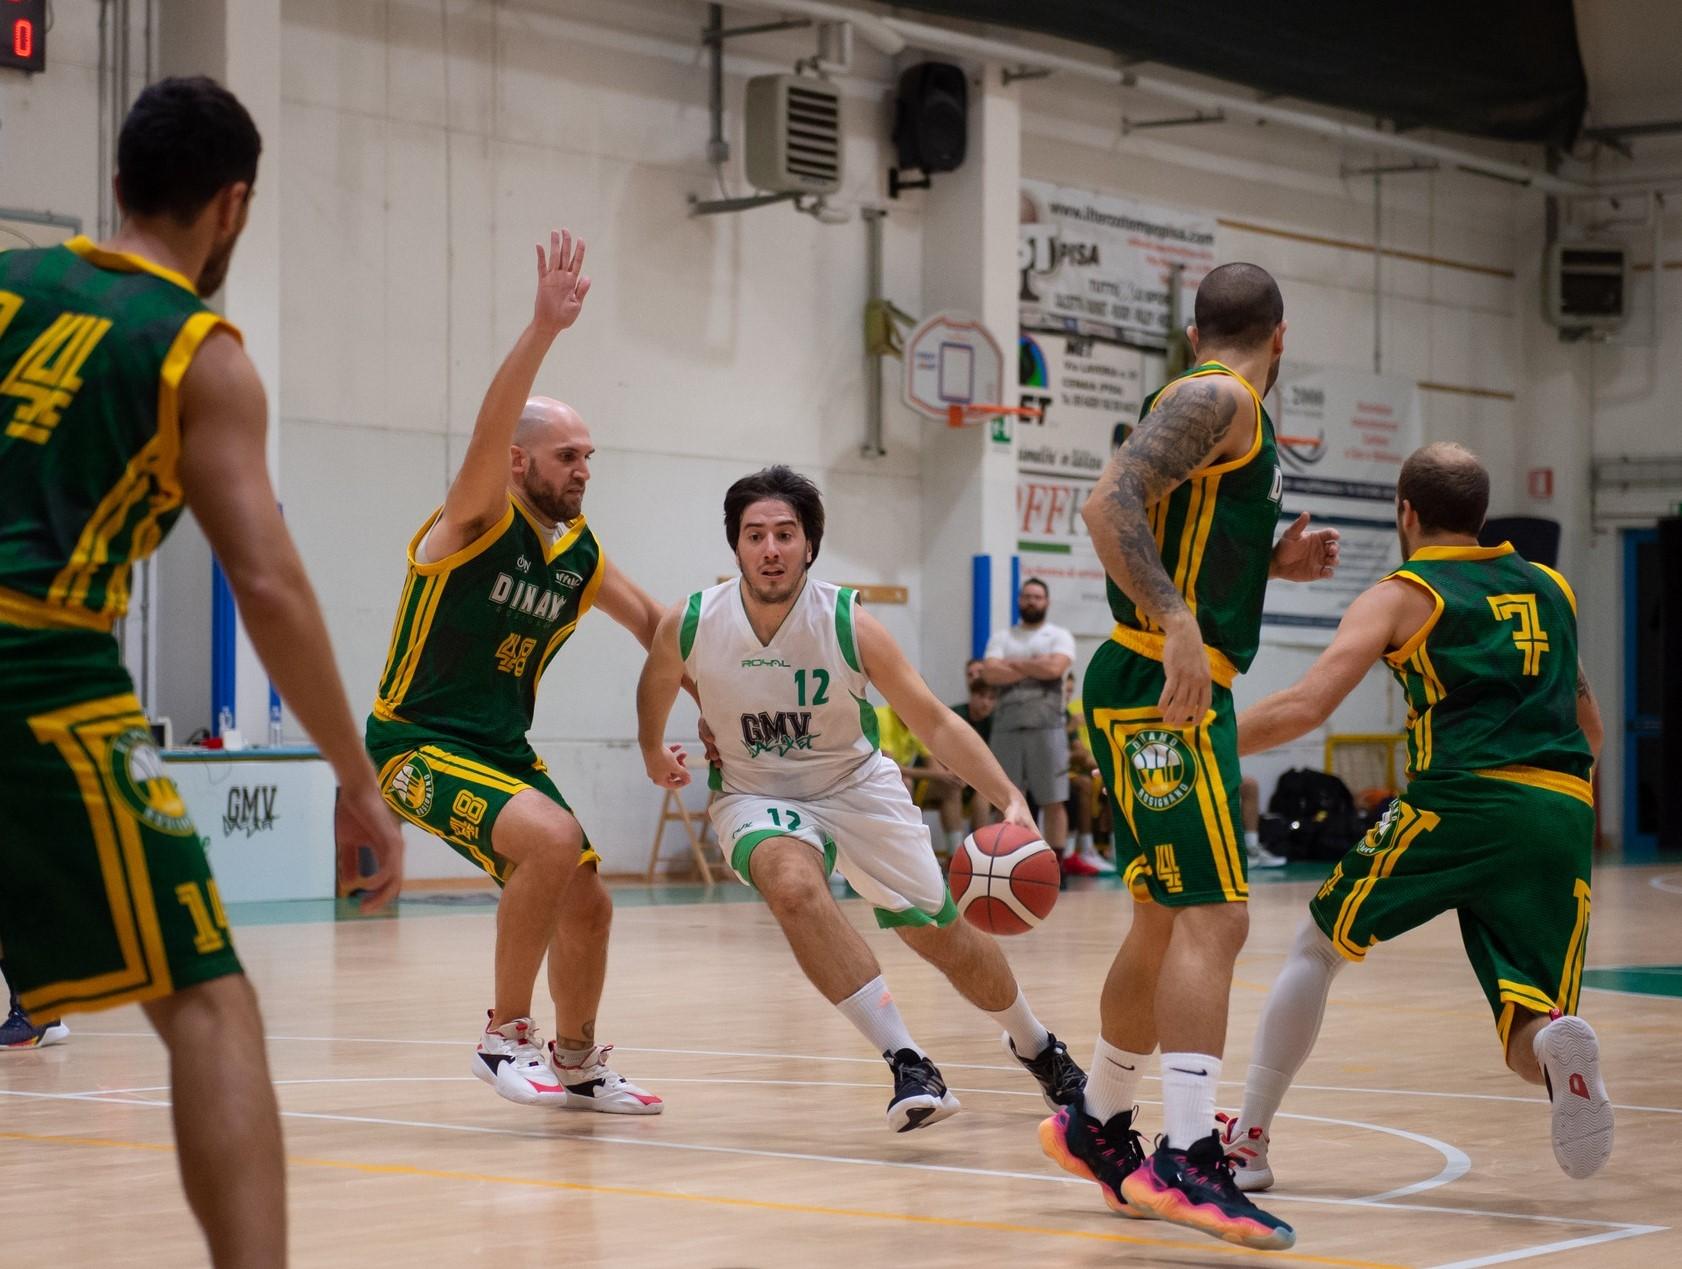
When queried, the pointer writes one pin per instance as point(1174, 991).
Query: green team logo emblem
point(411, 787)
point(137, 771)
point(1164, 770)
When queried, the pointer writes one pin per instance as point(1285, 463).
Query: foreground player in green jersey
point(1496, 825)
point(121, 397)
point(498, 579)
point(1183, 520)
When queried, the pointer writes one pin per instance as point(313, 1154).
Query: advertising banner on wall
point(1347, 432)
point(1097, 264)
point(1087, 389)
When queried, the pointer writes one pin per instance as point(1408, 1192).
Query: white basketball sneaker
point(1582, 1113)
point(593, 1085)
point(510, 1059)
point(1246, 1153)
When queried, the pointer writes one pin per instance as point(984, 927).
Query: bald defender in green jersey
point(1183, 519)
point(498, 579)
point(122, 396)
point(1496, 824)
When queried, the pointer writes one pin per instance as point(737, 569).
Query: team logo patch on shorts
point(1164, 770)
point(412, 786)
point(137, 771)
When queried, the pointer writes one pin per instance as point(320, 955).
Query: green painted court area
point(1641, 980)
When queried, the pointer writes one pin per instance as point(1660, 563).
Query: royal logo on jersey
point(1164, 770)
point(754, 663)
point(137, 771)
point(411, 787)
point(778, 733)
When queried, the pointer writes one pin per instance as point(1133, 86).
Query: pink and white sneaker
point(593, 1085)
point(1247, 1154)
point(510, 1059)
point(1582, 1113)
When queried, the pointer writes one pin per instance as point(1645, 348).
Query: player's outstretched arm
point(1191, 423)
point(225, 477)
point(657, 688)
point(629, 604)
point(1383, 617)
point(951, 740)
point(478, 495)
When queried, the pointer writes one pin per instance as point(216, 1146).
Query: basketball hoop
point(962, 414)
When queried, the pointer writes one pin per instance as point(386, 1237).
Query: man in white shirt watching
point(1027, 663)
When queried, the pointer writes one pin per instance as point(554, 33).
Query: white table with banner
point(265, 817)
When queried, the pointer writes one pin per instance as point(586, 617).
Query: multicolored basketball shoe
point(1569, 1053)
point(1247, 1153)
point(510, 1059)
point(1195, 1188)
point(18, 1032)
point(920, 1095)
point(1105, 1153)
point(1060, 1078)
point(593, 1085)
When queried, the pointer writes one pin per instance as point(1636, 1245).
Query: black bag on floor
point(1315, 816)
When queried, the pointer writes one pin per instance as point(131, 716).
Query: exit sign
point(23, 35)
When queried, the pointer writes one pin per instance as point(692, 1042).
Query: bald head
point(546, 420)
point(1238, 306)
point(1448, 488)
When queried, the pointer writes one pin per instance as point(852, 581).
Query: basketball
point(1004, 879)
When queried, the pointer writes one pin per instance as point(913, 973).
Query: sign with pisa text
point(1348, 433)
point(1099, 264)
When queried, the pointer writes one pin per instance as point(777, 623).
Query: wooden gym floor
point(1405, 1144)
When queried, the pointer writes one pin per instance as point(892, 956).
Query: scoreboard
point(23, 35)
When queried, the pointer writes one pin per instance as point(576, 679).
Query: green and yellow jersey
point(1215, 535)
point(93, 347)
point(1491, 677)
point(475, 631)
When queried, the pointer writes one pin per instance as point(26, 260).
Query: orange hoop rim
point(961, 414)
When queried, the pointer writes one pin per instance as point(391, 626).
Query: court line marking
point(1507, 1257)
point(1455, 1162)
point(1667, 884)
point(952, 1066)
point(848, 1160)
point(719, 1200)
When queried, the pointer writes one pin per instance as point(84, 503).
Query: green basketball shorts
point(1508, 850)
point(106, 897)
point(456, 793)
point(1174, 790)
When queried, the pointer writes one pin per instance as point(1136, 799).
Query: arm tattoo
point(1172, 442)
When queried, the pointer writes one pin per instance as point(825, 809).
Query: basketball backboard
point(951, 359)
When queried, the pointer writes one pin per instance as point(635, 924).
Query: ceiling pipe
point(891, 35)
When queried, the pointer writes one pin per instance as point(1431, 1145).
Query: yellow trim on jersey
point(1149, 644)
point(455, 764)
point(1540, 778)
point(1383, 864)
point(1223, 844)
point(81, 733)
point(1200, 542)
point(1402, 655)
point(1461, 552)
point(1434, 692)
point(432, 590)
point(1564, 586)
point(1219, 368)
point(17, 609)
point(562, 543)
point(587, 598)
point(125, 262)
point(1188, 532)
point(93, 547)
point(454, 559)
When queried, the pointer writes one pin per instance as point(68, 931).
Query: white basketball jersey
point(792, 715)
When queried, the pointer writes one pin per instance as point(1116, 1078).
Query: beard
point(215, 271)
point(776, 590)
point(1031, 616)
point(554, 504)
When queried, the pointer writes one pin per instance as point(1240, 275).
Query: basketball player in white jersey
point(782, 664)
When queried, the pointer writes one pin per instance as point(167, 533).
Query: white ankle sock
point(1252, 840)
point(1113, 1081)
point(1024, 1030)
point(1189, 1081)
point(872, 1010)
point(1289, 1025)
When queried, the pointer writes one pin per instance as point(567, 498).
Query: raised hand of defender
point(1301, 556)
point(561, 285)
point(668, 766)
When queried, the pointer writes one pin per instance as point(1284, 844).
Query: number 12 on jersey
point(820, 686)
